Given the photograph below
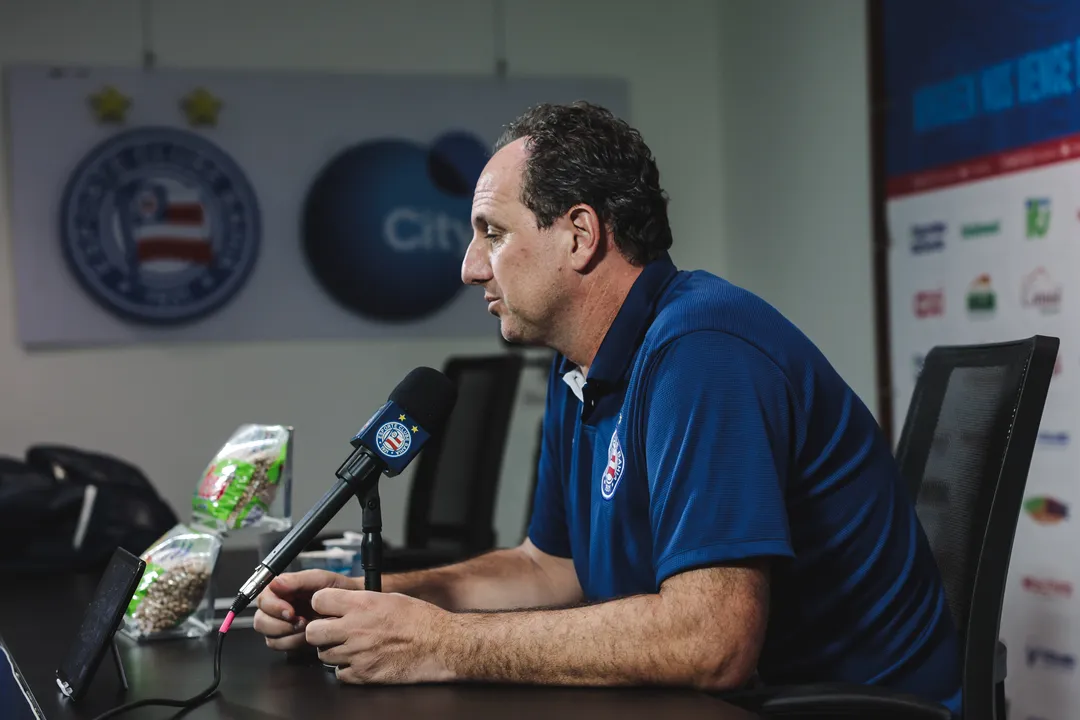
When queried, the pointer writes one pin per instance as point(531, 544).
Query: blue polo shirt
point(710, 430)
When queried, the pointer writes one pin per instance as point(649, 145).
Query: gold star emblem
point(109, 105)
point(401, 417)
point(201, 107)
point(415, 429)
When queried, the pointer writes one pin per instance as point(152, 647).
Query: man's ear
point(587, 245)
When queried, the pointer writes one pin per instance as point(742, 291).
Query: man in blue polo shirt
point(714, 502)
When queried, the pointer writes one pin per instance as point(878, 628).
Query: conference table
point(40, 614)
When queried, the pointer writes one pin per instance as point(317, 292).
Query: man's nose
point(475, 268)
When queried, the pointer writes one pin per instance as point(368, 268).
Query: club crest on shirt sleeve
point(614, 469)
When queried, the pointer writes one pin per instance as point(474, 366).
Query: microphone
point(417, 409)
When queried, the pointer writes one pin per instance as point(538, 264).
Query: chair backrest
point(452, 500)
point(964, 452)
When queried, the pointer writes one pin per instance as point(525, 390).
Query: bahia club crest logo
point(393, 439)
point(387, 223)
point(613, 471)
point(160, 226)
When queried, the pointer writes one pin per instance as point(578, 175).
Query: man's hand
point(705, 628)
point(284, 606)
point(378, 637)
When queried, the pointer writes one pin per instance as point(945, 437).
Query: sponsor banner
point(241, 205)
point(982, 164)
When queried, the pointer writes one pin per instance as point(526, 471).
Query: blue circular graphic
point(393, 439)
point(386, 225)
point(455, 163)
point(160, 226)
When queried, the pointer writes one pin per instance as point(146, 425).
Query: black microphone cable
point(190, 703)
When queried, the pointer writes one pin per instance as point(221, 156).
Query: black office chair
point(964, 452)
point(451, 509)
point(534, 479)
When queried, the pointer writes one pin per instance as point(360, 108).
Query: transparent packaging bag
point(175, 596)
point(247, 484)
point(241, 484)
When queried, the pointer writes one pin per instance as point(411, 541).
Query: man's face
point(517, 264)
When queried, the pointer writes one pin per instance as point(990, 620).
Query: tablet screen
point(16, 700)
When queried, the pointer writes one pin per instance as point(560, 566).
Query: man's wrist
point(443, 641)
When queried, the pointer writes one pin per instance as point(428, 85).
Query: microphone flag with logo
point(417, 409)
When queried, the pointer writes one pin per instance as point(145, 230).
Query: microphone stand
point(371, 547)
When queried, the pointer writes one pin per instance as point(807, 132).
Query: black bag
point(67, 510)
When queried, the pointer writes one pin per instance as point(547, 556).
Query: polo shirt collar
point(619, 344)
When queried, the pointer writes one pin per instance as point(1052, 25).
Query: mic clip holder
point(371, 547)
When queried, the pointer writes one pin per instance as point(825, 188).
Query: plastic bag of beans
point(241, 481)
point(174, 597)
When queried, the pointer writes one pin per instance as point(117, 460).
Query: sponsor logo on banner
point(1040, 656)
point(981, 298)
point(1046, 510)
point(927, 238)
point(1059, 438)
point(929, 303)
point(386, 224)
point(160, 226)
point(1047, 587)
point(1037, 217)
point(1039, 290)
point(974, 230)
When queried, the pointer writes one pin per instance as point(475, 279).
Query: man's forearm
point(635, 640)
point(498, 580)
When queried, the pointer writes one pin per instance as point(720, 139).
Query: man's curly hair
point(582, 153)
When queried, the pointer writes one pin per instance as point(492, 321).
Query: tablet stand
point(119, 662)
point(371, 546)
point(101, 621)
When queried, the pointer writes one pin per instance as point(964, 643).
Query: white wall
point(796, 149)
point(169, 408)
